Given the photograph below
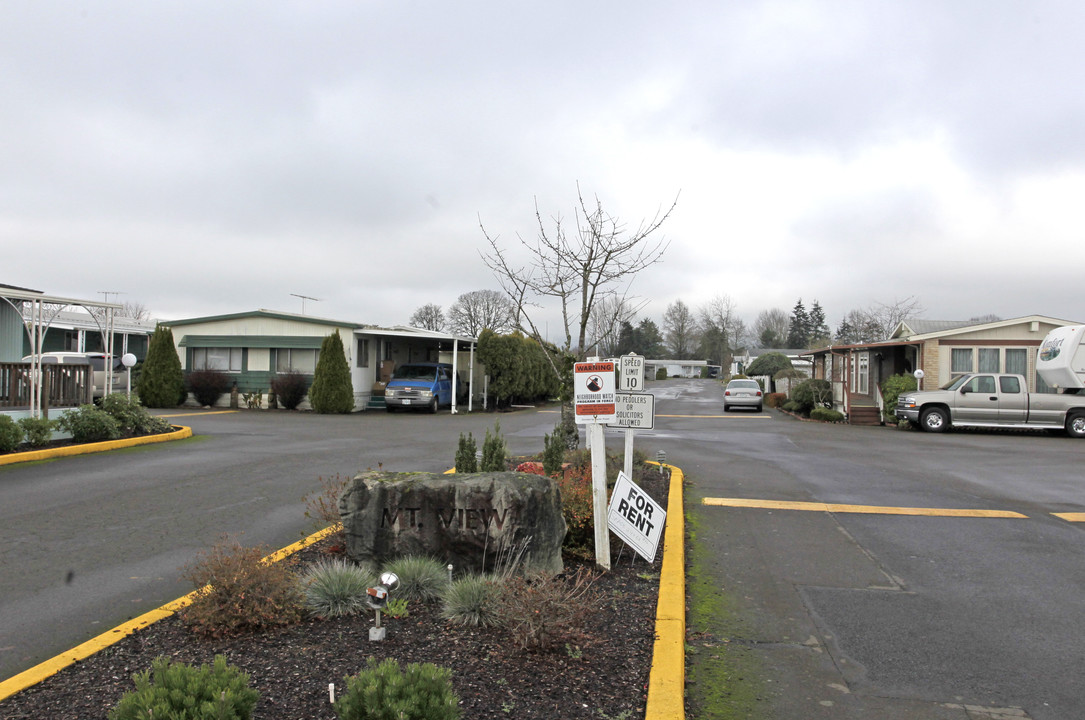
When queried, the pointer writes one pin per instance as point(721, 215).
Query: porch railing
point(62, 385)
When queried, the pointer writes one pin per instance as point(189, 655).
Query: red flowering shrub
point(535, 468)
point(576, 506)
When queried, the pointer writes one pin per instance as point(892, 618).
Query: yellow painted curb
point(180, 433)
point(52, 666)
point(667, 681)
point(863, 509)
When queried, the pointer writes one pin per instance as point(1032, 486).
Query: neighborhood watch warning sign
point(594, 389)
point(635, 517)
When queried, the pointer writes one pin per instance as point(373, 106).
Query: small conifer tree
point(466, 462)
point(332, 390)
point(493, 451)
point(161, 382)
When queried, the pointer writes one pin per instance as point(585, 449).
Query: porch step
point(864, 415)
point(376, 402)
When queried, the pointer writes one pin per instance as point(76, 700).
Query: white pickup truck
point(1001, 400)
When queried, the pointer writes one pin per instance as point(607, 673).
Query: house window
point(1017, 361)
point(961, 361)
point(989, 360)
point(363, 352)
point(304, 361)
point(224, 359)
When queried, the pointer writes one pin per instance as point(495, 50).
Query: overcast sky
point(217, 157)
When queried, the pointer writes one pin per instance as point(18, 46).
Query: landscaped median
point(179, 432)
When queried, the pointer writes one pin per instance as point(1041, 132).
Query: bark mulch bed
point(604, 676)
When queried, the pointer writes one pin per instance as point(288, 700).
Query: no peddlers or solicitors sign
point(593, 392)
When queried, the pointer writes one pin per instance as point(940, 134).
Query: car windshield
point(414, 372)
point(955, 383)
point(747, 384)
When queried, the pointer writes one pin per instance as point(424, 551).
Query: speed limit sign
point(631, 373)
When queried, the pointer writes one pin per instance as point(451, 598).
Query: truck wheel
point(934, 420)
point(433, 406)
point(1075, 425)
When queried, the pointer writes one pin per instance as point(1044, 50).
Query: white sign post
point(593, 403)
point(636, 518)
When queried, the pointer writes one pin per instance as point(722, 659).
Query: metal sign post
point(593, 397)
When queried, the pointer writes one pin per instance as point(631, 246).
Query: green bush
point(553, 452)
point(471, 601)
point(520, 369)
point(181, 692)
point(238, 592)
point(88, 424)
point(290, 388)
point(208, 385)
point(385, 692)
point(791, 406)
point(466, 462)
point(826, 414)
point(332, 390)
point(493, 451)
point(892, 388)
point(420, 577)
point(661, 373)
point(334, 588)
point(38, 431)
point(810, 394)
point(131, 417)
point(11, 434)
point(161, 380)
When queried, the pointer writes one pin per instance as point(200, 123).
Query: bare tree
point(877, 322)
point(478, 310)
point(772, 327)
point(680, 329)
point(135, 311)
point(720, 329)
point(607, 318)
point(577, 269)
point(428, 317)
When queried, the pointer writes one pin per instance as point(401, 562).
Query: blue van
point(425, 386)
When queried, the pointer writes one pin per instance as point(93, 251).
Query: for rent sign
point(635, 517)
point(593, 386)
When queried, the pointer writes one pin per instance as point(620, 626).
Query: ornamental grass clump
point(471, 600)
point(421, 578)
point(384, 691)
point(179, 691)
point(239, 592)
point(334, 588)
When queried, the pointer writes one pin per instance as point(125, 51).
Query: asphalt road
point(853, 612)
point(849, 614)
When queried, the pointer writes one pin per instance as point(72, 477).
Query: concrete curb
point(667, 681)
point(180, 432)
point(52, 666)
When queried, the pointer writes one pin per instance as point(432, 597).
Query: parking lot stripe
point(865, 509)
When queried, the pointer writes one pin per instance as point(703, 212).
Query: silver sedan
point(742, 393)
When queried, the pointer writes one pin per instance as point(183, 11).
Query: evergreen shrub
point(826, 414)
point(661, 373)
point(810, 394)
point(182, 692)
point(332, 390)
point(161, 380)
point(208, 385)
point(37, 431)
point(11, 434)
point(553, 452)
point(466, 460)
point(493, 451)
point(290, 388)
point(384, 691)
point(131, 417)
point(88, 424)
point(892, 388)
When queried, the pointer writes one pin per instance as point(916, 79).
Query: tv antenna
point(107, 293)
point(303, 299)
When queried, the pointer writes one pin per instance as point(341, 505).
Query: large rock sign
point(465, 520)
